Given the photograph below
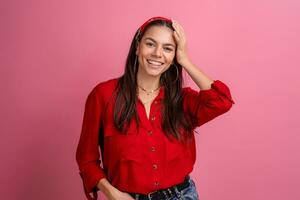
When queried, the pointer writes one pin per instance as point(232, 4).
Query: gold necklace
point(148, 92)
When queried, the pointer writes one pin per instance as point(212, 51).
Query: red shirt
point(145, 160)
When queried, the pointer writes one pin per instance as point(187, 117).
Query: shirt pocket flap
point(124, 147)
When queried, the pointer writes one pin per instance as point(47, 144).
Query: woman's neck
point(148, 82)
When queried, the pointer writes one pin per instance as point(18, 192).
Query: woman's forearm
point(202, 80)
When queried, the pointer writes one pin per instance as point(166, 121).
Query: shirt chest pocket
point(120, 147)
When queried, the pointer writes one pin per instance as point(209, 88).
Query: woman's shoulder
point(107, 84)
point(105, 88)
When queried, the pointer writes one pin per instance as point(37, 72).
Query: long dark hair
point(175, 122)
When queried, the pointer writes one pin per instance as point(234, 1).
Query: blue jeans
point(189, 193)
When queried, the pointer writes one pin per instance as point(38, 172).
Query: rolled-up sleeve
point(205, 105)
point(87, 153)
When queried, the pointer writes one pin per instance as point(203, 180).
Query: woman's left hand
point(181, 51)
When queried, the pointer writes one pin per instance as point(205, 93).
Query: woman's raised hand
point(181, 51)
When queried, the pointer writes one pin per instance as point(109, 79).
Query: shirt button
point(153, 118)
point(150, 132)
point(156, 183)
point(154, 166)
point(155, 102)
point(152, 148)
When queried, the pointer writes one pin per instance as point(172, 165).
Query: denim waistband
point(163, 193)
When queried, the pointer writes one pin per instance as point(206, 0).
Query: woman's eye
point(168, 49)
point(149, 44)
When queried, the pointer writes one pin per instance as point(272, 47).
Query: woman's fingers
point(176, 36)
point(178, 28)
point(179, 32)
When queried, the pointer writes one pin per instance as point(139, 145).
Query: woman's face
point(156, 50)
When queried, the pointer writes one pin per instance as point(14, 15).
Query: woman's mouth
point(154, 62)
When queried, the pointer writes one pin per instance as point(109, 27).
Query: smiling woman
point(156, 52)
point(144, 121)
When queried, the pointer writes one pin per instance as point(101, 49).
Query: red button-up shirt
point(145, 160)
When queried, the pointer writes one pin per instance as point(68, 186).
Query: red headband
point(153, 19)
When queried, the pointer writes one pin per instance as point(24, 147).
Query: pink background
point(54, 52)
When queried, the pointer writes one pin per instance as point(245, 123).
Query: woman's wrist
point(105, 187)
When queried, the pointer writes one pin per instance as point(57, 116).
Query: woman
point(144, 121)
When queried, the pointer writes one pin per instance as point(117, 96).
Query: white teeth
point(154, 62)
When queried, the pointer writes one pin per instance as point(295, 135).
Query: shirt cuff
point(90, 179)
point(217, 88)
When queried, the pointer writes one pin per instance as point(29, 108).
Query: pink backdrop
point(53, 52)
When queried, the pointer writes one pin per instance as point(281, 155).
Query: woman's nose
point(157, 52)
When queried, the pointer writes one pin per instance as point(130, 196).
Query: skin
point(157, 44)
point(148, 75)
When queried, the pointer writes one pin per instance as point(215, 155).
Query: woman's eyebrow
point(166, 44)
